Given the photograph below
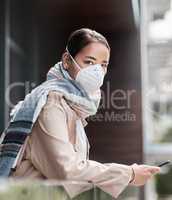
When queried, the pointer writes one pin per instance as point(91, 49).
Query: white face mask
point(91, 77)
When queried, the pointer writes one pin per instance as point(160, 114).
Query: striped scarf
point(26, 112)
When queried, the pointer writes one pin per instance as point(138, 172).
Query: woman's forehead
point(96, 50)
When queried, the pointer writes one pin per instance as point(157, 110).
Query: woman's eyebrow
point(90, 57)
point(104, 61)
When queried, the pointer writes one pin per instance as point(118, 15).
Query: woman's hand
point(142, 173)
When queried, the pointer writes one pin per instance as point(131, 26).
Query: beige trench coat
point(50, 154)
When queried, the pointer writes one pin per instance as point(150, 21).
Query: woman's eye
point(88, 62)
point(104, 65)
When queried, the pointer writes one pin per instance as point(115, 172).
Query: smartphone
point(164, 163)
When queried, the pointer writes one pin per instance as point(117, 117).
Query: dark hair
point(82, 37)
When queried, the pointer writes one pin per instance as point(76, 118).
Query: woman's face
point(93, 53)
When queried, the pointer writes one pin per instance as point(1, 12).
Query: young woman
point(56, 146)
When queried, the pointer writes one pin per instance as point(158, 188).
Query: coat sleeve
point(54, 155)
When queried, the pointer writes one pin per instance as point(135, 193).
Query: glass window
point(156, 31)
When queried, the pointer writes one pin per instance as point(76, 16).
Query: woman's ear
point(66, 60)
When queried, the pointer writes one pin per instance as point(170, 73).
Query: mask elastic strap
point(73, 59)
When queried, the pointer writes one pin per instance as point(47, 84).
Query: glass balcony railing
point(52, 190)
point(44, 190)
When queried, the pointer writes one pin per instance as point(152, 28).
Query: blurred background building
point(133, 124)
point(156, 30)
